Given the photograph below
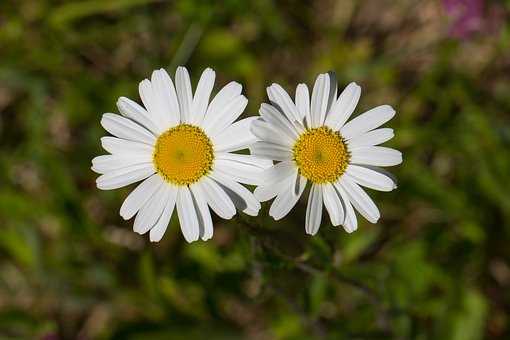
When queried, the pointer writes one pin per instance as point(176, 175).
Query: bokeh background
point(436, 266)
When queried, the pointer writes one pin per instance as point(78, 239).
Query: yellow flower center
point(183, 154)
point(321, 155)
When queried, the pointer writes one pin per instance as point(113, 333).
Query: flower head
point(311, 142)
point(182, 147)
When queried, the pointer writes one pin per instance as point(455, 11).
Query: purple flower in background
point(467, 16)
point(473, 16)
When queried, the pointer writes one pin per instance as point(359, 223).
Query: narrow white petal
point(303, 103)
point(319, 104)
point(137, 198)
point(153, 105)
point(218, 123)
point(370, 178)
point(187, 213)
point(375, 155)
point(204, 215)
point(118, 146)
point(184, 94)
point(278, 172)
point(127, 129)
point(343, 108)
point(280, 98)
point(241, 170)
point(333, 89)
point(314, 210)
point(271, 151)
point(258, 162)
point(268, 133)
point(125, 176)
point(218, 103)
point(151, 211)
point(217, 199)
point(374, 137)
point(107, 163)
point(276, 119)
point(350, 223)
point(202, 94)
point(166, 98)
point(133, 111)
point(236, 137)
point(384, 172)
point(333, 204)
point(287, 199)
point(266, 192)
point(360, 200)
point(243, 199)
point(157, 232)
point(367, 121)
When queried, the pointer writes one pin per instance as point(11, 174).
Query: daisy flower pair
point(184, 146)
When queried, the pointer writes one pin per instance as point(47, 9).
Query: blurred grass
point(435, 266)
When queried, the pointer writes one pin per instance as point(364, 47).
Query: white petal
point(299, 184)
point(204, 215)
point(266, 192)
point(125, 176)
point(303, 103)
point(343, 108)
point(228, 115)
point(188, 218)
point(258, 162)
point(107, 163)
point(184, 94)
point(133, 111)
point(202, 94)
point(320, 97)
point(277, 120)
point(118, 146)
point(153, 105)
point(350, 223)
point(151, 211)
point(126, 129)
point(217, 198)
point(157, 232)
point(269, 133)
point(384, 172)
point(278, 172)
point(370, 178)
point(375, 155)
point(137, 198)
point(236, 137)
point(243, 199)
point(166, 98)
point(333, 204)
point(367, 121)
point(371, 138)
point(360, 200)
point(271, 151)
point(287, 199)
point(314, 210)
point(333, 88)
point(222, 98)
point(280, 98)
point(245, 169)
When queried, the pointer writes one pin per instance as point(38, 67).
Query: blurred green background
point(436, 266)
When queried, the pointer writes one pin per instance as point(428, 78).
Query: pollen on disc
point(321, 155)
point(183, 154)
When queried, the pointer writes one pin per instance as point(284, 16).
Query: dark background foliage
point(435, 266)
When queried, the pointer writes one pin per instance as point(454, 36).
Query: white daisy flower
point(311, 141)
point(182, 147)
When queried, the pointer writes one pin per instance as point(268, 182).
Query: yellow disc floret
point(321, 155)
point(183, 154)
